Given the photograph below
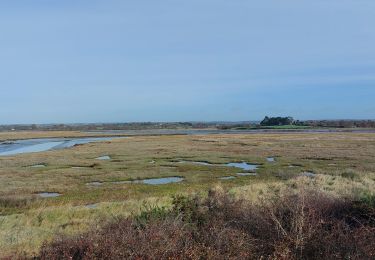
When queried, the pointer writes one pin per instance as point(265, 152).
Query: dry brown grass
point(309, 225)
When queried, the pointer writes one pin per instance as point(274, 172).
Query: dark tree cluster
point(277, 121)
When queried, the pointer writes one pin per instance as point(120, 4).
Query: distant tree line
point(285, 121)
point(280, 121)
point(267, 121)
point(101, 127)
point(341, 123)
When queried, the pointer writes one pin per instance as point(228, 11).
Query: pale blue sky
point(171, 60)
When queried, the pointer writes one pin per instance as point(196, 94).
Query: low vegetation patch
point(306, 225)
point(13, 204)
point(349, 174)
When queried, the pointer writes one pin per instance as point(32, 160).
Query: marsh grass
point(44, 223)
point(350, 174)
point(26, 220)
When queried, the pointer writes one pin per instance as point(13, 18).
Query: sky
point(199, 60)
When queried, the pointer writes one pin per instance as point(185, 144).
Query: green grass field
point(344, 165)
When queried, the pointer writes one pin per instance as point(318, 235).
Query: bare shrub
point(309, 225)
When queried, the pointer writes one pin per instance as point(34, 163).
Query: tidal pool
point(45, 144)
point(166, 180)
point(38, 166)
point(153, 181)
point(122, 182)
point(247, 174)
point(227, 178)
point(92, 206)
point(308, 174)
point(49, 194)
point(198, 163)
point(95, 183)
point(104, 157)
point(244, 166)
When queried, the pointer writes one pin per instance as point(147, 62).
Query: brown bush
point(309, 225)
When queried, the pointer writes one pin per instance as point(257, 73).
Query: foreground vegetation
point(304, 225)
point(343, 165)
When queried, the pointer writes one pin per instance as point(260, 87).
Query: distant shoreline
point(45, 134)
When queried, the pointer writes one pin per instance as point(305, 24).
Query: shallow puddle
point(247, 174)
point(95, 183)
point(227, 178)
point(122, 182)
point(294, 165)
point(244, 166)
point(154, 181)
point(271, 159)
point(167, 180)
point(92, 206)
point(198, 163)
point(104, 157)
point(49, 194)
point(308, 174)
point(38, 166)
